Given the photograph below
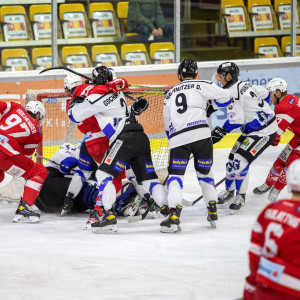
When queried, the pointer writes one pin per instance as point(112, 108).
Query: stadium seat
point(75, 57)
point(286, 45)
point(162, 53)
point(283, 11)
point(15, 60)
point(134, 54)
point(40, 17)
point(262, 15)
point(122, 12)
point(74, 21)
point(16, 26)
point(266, 47)
point(41, 58)
point(104, 20)
point(236, 15)
point(105, 55)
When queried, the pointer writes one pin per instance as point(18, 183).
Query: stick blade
point(186, 202)
point(133, 219)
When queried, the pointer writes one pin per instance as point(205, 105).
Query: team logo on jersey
point(270, 269)
point(230, 106)
point(292, 100)
point(149, 168)
point(113, 151)
point(179, 164)
point(298, 208)
point(231, 115)
point(261, 143)
point(15, 171)
point(3, 140)
point(119, 166)
point(204, 163)
point(246, 143)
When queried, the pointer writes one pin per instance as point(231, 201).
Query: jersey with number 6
point(275, 248)
point(185, 110)
point(19, 133)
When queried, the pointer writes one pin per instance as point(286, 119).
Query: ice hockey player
point(256, 120)
point(128, 144)
point(20, 134)
point(188, 131)
point(274, 254)
point(287, 110)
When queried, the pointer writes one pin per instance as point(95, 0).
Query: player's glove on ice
point(276, 140)
point(217, 134)
point(76, 100)
point(209, 109)
point(139, 106)
point(117, 85)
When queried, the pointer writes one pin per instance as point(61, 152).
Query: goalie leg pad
point(207, 184)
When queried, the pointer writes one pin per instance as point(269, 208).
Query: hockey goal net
point(58, 129)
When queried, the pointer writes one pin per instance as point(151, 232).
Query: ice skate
point(261, 189)
point(224, 197)
point(171, 223)
point(107, 223)
point(164, 210)
point(68, 205)
point(212, 216)
point(237, 204)
point(25, 213)
point(273, 195)
point(93, 218)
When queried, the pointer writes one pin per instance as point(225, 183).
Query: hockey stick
point(189, 203)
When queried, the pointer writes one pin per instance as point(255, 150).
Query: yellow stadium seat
point(162, 53)
point(106, 55)
point(104, 20)
point(267, 47)
point(262, 15)
point(15, 60)
point(75, 57)
point(134, 54)
point(41, 58)
point(74, 21)
point(122, 12)
point(236, 15)
point(286, 45)
point(16, 26)
point(283, 11)
point(40, 17)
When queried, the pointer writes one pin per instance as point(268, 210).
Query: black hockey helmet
point(101, 75)
point(187, 68)
point(229, 67)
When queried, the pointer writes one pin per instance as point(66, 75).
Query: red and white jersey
point(275, 248)
point(19, 133)
point(288, 115)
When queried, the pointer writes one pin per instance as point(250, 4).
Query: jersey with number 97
point(19, 132)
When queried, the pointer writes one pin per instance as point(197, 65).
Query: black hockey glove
point(75, 101)
point(217, 134)
point(139, 106)
point(209, 109)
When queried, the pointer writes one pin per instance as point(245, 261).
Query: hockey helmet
point(71, 81)
point(229, 68)
point(187, 68)
point(101, 75)
point(114, 75)
point(36, 107)
point(277, 84)
point(293, 176)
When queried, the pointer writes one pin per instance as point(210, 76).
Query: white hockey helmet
point(71, 81)
point(36, 107)
point(277, 84)
point(293, 176)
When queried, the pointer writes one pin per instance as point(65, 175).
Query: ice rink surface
point(58, 260)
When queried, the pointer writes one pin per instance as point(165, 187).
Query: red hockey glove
point(117, 85)
point(276, 140)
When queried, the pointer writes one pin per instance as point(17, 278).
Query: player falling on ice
point(287, 110)
point(254, 117)
point(20, 134)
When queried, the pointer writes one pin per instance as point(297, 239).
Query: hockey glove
point(117, 85)
point(209, 109)
point(139, 106)
point(76, 100)
point(217, 134)
point(276, 140)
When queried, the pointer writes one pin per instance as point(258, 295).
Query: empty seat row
point(78, 56)
point(259, 15)
point(73, 21)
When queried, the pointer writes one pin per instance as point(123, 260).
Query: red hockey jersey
point(19, 133)
point(288, 115)
point(274, 254)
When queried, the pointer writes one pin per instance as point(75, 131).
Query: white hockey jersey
point(249, 111)
point(110, 111)
point(185, 110)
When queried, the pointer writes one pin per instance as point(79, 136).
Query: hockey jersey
point(249, 111)
point(19, 132)
point(288, 115)
point(185, 110)
point(274, 255)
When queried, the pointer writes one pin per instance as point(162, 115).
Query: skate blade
point(105, 230)
point(213, 224)
point(88, 226)
point(235, 211)
point(172, 229)
point(22, 219)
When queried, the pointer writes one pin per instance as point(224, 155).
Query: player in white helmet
point(37, 109)
point(71, 81)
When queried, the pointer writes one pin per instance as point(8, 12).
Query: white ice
point(58, 260)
